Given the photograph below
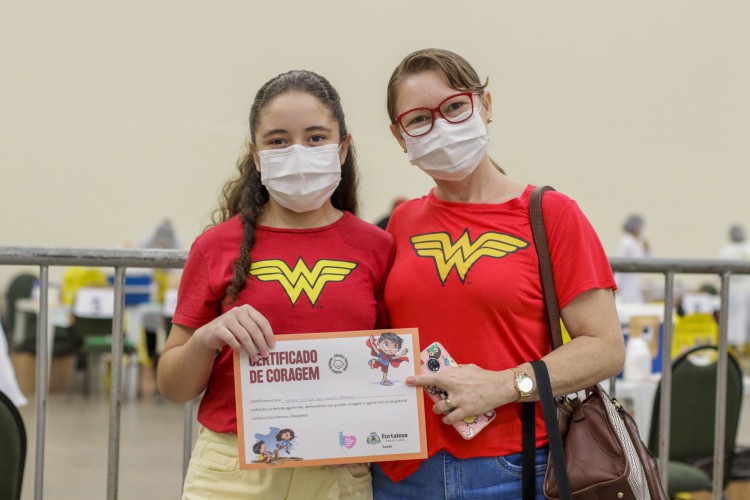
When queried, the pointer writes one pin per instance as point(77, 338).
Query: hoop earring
point(404, 150)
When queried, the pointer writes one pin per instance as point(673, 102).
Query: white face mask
point(450, 151)
point(301, 178)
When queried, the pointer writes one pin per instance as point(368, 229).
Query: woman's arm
point(596, 352)
point(187, 361)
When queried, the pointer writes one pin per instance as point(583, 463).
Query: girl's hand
point(242, 327)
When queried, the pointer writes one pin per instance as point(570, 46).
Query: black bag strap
point(549, 410)
point(528, 446)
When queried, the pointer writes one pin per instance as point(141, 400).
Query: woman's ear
point(397, 134)
point(344, 148)
point(487, 106)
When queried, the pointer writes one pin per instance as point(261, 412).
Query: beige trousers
point(214, 473)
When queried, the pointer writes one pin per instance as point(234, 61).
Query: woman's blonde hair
point(456, 70)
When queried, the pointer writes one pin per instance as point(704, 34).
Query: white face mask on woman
point(301, 178)
point(450, 151)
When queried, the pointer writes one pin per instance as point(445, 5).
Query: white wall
point(113, 116)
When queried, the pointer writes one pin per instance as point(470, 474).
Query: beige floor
point(150, 453)
point(76, 449)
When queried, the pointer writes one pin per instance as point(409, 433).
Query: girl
point(292, 205)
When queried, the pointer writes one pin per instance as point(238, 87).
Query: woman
point(293, 201)
point(466, 274)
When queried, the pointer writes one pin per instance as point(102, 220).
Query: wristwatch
point(523, 384)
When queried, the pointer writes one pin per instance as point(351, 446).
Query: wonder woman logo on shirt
point(464, 253)
point(301, 278)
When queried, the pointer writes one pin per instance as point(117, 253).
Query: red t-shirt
point(290, 283)
point(467, 275)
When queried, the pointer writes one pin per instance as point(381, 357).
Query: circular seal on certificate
point(338, 363)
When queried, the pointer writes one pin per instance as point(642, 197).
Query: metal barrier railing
point(120, 260)
point(669, 268)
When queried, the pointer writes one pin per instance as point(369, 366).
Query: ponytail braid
point(244, 196)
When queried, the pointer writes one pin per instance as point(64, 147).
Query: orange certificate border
point(422, 454)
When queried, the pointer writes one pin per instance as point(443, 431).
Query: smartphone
point(435, 359)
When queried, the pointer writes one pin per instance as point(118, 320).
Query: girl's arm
point(184, 366)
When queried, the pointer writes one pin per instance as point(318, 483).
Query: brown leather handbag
point(595, 448)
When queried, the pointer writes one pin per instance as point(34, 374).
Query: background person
point(466, 274)
point(8, 383)
point(163, 237)
point(633, 244)
point(739, 288)
point(382, 223)
point(294, 200)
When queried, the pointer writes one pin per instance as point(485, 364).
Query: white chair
point(94, 302)
point(693, 303)
point(93, 312)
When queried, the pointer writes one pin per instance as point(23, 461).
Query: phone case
point(434, 359)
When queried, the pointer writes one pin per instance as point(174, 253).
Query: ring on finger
point(450, 405)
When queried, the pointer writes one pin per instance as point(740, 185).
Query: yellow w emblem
point(463, 254)
point(301, 279)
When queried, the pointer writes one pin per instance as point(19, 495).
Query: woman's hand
point(471, 390)
point(242, 327)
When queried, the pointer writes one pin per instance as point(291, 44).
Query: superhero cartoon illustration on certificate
point(386, 351)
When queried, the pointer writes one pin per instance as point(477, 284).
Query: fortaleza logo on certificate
point(331, 398)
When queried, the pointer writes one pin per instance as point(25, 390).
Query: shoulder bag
point(595, 448)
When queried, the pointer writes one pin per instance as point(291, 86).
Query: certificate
point(330, 398)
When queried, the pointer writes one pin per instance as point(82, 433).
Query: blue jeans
point(444, 476)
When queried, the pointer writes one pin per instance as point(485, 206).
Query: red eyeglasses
point(454, 109)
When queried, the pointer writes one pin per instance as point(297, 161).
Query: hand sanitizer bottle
point(637, 359)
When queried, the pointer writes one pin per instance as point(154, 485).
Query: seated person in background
point(80, 277)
